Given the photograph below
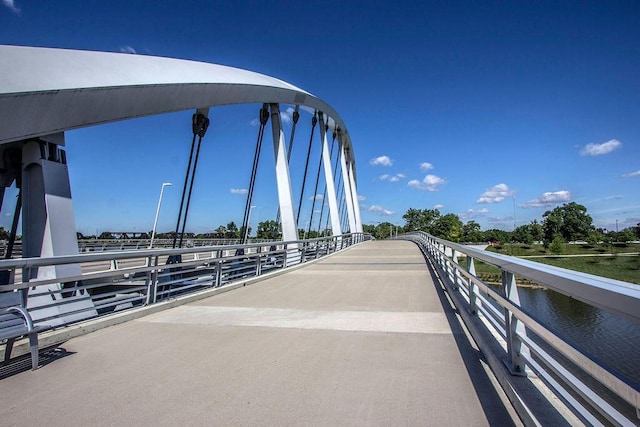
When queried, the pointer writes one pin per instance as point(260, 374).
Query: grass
point(625, 268)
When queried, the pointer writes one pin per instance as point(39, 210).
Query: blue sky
point(486, 110)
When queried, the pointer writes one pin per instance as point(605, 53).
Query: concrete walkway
point(363, 337)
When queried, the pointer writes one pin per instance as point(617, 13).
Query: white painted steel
point(328, 176)
point(283, 180)
point(354, 194)
point(45, 91)
point(619, 297)
point(348, 194)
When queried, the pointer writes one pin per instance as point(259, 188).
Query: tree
point(270, 230)
point(569, 221)
point(496, 235)
point(523, 234)
point(448, 227)
point(420, 219)
point(232, 231)
point(471, 232)
point(536, 231)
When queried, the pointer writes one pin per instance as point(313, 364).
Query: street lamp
point(155, 222)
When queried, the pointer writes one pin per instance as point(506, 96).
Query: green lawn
point(625, 268)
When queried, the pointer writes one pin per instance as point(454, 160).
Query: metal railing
point(88, 285)
point(528, 344)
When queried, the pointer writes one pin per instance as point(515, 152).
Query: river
point(612, 339)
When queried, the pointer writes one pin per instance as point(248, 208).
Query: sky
point(494, 111)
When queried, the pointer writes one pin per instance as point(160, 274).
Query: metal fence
point(66, 289)
point(588, 388)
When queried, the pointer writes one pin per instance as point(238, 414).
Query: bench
point(15, 322)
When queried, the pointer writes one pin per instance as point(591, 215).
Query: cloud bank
point(548, 199)
point(601, 149)
point(380, 210)
point(429, 183)
point(239, 191)
point(495, 194)
point(381, 161)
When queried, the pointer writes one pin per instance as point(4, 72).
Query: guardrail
point(529, 345)
point(112, 281)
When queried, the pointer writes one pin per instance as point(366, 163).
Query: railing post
point(513, 327)
point(454, 270)
point(473, 288)
point(259, 261)
point(152, 285)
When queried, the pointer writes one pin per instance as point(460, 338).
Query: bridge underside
point(362, 337)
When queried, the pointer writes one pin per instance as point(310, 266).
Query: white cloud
point(316, 197)
point(397, 177)
point(287, 116)
point(631, 174)
point(548, 199)
point(429, 183)
point(127, 49)
point(495, 194)
point(362, 198)
point(600, 149)
point(426, 166)
point(438, 206)
point(239, 191)
point(380, 210)
point(383, 177)
point(255, 123)
point(473, 213)
point(381, 161)
point(11, 5)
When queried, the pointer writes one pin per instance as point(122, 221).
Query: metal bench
point(15, 322)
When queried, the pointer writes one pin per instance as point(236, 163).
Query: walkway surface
point(363, 337)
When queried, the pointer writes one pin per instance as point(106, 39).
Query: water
point(610, 338)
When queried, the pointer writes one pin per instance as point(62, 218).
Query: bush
point(556, 245)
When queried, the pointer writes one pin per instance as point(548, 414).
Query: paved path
point(360, 338)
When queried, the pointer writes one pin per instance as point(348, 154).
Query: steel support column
point(346, 182)
point(283, 179)
point(328, 175)
point(49, 229)
point(354, 195)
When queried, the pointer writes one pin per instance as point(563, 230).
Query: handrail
point(96, 284)
point(524, 354)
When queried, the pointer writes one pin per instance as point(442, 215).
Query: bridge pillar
point(328, 175)
point(283, 179)
point(49, 229)
point(346, 182)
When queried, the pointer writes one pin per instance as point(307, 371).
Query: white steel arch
point(45, 92)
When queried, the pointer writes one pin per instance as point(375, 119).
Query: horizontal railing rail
point(66, 289)
point(528, 344)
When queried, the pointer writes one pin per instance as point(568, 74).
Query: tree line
point(567, 223)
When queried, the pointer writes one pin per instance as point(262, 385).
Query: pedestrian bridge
point(335, 330)
point(366, 336)
point(349, 332)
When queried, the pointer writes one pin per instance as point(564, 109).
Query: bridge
point(338, 329)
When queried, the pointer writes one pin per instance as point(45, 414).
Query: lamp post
point(155, 222)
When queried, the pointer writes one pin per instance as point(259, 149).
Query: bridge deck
point(363, 337)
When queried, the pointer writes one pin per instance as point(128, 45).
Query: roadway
point(363, 337)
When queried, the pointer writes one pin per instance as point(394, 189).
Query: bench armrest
point(25, 314)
